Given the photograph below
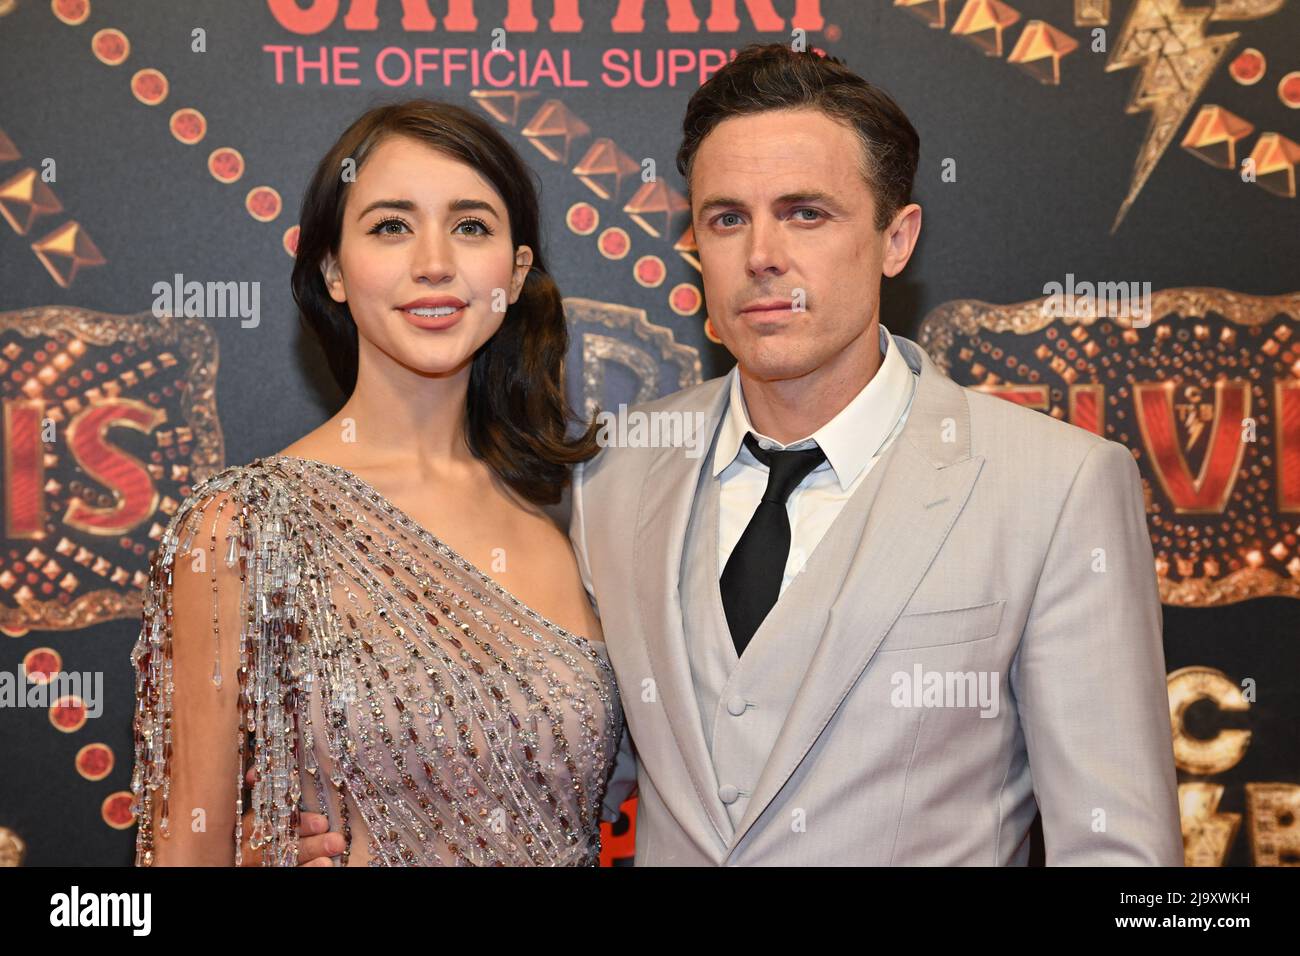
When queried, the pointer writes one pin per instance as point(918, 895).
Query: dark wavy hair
point(774, 77)
point(517, 415)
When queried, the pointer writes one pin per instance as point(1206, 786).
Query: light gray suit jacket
point(1000, 545)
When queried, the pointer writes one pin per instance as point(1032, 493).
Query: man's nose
point(767, 252)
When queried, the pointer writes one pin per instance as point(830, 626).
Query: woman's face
point(425, 262)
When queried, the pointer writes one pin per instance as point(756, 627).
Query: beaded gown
point(382, 680)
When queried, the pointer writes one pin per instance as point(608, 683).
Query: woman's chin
point(441, 363)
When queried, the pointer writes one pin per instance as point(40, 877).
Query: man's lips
point(768, 305)
point(770, 314)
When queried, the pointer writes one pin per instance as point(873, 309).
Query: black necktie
point(751, 582)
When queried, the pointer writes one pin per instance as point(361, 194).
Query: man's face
point(783, 216)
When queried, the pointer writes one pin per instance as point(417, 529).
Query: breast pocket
point(943, 626)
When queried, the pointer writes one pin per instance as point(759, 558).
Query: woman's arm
point(204, 764)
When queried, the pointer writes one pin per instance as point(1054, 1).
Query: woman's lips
point(433, 322)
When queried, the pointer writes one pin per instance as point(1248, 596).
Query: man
point(762, 647)
point(884, 616)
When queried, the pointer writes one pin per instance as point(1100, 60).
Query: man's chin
point(774, 368)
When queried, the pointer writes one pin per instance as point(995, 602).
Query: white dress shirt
point(853, 442)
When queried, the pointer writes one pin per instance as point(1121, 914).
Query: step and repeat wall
point(1111, 237)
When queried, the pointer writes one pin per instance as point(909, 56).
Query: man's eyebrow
point(803, 195)
point(456, 205)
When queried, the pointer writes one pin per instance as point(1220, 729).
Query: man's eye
point(726, 215)
point(815, 212)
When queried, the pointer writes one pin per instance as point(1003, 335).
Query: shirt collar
point(850, 439)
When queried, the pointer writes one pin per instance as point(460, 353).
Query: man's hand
point(313, 850)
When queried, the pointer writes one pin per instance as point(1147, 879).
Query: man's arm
point(1089, 680)
point(622, 782)
point(578, 533)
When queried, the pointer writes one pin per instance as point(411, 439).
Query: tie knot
point(785, 469)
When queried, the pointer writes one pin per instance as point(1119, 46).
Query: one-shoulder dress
point(383, 680)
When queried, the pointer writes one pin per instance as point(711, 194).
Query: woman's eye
point(380, 228)
point(482, 226)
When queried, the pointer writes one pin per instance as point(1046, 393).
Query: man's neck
point(789, 410)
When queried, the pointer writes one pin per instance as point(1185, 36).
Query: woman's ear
point(333, 275)
point(523, 262)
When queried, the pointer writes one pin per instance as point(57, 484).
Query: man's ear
point(900, 239)
point(523, 262)
point(333, 276)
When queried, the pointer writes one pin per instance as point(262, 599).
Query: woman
point(381, 619)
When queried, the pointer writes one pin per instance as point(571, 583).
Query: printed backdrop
point(1111, 237)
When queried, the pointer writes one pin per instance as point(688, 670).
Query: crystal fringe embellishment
point(383, 680)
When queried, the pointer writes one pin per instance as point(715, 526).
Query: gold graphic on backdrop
point(1206, 393)
point(1177, 56)
point(12, 848)
point(654, 207)
point(1275, 158)
point(1223, 751)
point(66, 251)
point(554, 129)
point(1214, 135)
point(503, 105)
point(983, 23)
point(109, 421)
point(686, 248)
point(639, 346)
point(1273, 810)
point(1207, 833)
point(24, 198)
point(933, 12)
point(1091, 13)
point(1039, 50)
point(605, 167)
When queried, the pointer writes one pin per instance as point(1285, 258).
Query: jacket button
point(736, 706)
point(727, 793)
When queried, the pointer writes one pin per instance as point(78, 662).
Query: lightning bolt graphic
point(1177, 58)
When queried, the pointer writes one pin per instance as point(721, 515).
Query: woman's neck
point(399, 418)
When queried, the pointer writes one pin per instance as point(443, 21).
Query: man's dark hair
point(774, 77)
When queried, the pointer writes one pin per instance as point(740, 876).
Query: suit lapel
point(666, 498)
point(928, 477)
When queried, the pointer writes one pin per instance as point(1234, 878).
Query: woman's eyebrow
point(460, 205)
point(456, 205)
point(403, 204)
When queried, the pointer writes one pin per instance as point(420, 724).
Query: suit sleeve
point(578, 534)
point(1089, 680)
point(622, 780)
